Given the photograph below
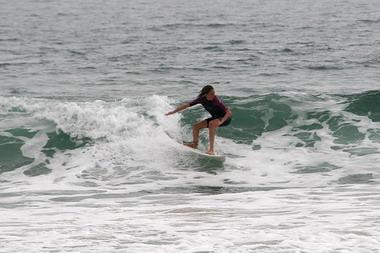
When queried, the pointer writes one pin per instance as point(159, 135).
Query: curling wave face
point(312, 134)
point(289, 156)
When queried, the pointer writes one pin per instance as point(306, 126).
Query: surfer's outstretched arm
point(178, 109)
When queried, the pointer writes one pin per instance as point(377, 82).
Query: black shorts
point(225, 123)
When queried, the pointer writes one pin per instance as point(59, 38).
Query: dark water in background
point(111, 49)
point(89, 162)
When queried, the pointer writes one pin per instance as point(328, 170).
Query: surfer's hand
point(169, 113)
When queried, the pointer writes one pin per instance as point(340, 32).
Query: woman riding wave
point(221, 115)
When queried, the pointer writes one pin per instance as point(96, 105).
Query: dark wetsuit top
point(215, 107)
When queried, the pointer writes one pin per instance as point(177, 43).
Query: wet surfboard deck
point(202, 154)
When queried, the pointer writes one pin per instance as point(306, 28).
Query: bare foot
point(210, 152)
point(191, 145)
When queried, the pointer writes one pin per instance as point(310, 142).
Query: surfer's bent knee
point(199, 125)
point(213, 123)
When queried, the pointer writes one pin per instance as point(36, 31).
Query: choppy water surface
point(89, 162)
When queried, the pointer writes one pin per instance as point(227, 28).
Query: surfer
point(220, 115)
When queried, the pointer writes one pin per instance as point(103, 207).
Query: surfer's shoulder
point(197, 100)
point(218, 100)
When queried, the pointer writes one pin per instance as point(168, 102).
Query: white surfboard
point(202, 154)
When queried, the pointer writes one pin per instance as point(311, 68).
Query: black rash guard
point(215, 107)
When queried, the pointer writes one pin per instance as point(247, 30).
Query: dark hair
point(205, 90)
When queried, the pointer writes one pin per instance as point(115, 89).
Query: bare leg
point(211, 133)
point(213, 125)
point(196, 128)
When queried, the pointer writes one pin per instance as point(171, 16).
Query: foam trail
point(121, 165)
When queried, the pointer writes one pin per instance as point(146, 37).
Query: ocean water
point(90, 163)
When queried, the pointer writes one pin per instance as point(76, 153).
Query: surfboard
point(202, 154)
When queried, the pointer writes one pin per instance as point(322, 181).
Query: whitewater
point(112, 174)
point(90, 163)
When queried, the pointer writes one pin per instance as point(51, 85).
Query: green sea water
point(89, 161)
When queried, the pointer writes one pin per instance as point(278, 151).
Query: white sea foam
point(132, 188)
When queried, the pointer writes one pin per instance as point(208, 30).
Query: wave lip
point(105, 142)
point(50, 135)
